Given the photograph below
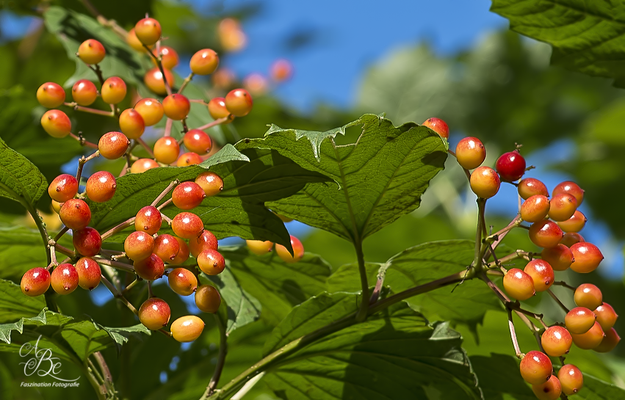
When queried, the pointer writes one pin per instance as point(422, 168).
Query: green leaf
point(20, 180)
point(586, 36)
point(393, 355)
point(14, 304)
point(381, 175)
point(279, 286)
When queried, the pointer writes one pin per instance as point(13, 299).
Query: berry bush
point(158, 185)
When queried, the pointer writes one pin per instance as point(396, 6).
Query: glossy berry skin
point(56, 123)
point(35, 281)
point(101, 186)
point(182, 281)
point(298, 251)
point(166, 247)
point(550, 390)
point(187, 195)
point(470, 152)
point(574, 224)
point(75, 214)
point(169, 57)
point(571, 379)
point(587, 257)
point(570, 238)
point(437, 125)
point(63, 188)
point(485, 182)
point(87, 241)
point(529, 187)
point(50, 95)
point(138, 245)
point(153, 79)
point(606, 316)
point(204, 62)
point(148, 219)
point(536, 368)
point(187, 328)
point(589, 339)
point(84, 92)
point(535, 208)
point(150, 268)
point(148, 31)
point(189, 158)
point(176, 106)
point(134, 41)
point(510, 166)
point(281, 70)
point(187, 225)
point(579, 320)
point(259, 247)
point(210, 182)
point(541, 273)
point(166, 150)
point(211, 262)
point(89, 273)
point(142, 165)
point(206, 241)
point(91, 52)
point(588, 295)
point(570, 188)
point(609, 342)
point(113, 90)
point(562, 206)
point(207, 299)
point(217, 108)
point(197, 141)
point(131, 123)
point(64, 279)
point(518, 284)
point(239, 102)
point(151, 110)
point(154, 313)
point(113, 145)
point(183, 252)
point(556, 341)
point(545, 233)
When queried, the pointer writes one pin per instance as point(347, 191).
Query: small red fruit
point(63, 188)
point(550, 390)
point(113, 90)
point(166, 247)
point(131, 123)
point(64, 279)
point(437, 125)
point(113, 145)
point(182, 281)
point(189, 158)
point(529, 187)
point(187, 195)
point(609, 342)
point(606, 316)
point(150, 268)
point(562, 206)
point(207, 299)
point(153, 79)
point(154, 313)
point(151, 110)
point(575, 223)
point(536, 368)
point(211, 262)
point(204, 62)
point(589, 339)
point(84, 92)
point(281, 70)
point(166, 150)
point(50, 95)
point(169, 57)
point(588, 295)
point(206, 241)
point(176, 106)
point(187, 225)
point(87, 241)
point(298, 251)
point(183, 252)
point(518, 284)
point(91, 51)
point(197, 141)
point(101, 186)
point(187, 328)
point(142, 165)
point(556, 341)
point(210, 182)
point(541, 273)
point(35, 281)
point(148, 31)
point(89, 273)
point(535, 208)
point(510, 166)
point(148, 219)
point(571, 379)
point(217, 108)
point(579, 320)
point(485, 182)
point(138, 245)
point(75, 214)
point(559, 257)
point(259, 247)
point(545, 233)
point(239, 102)
point(570, 188)
point(587, 257)
point(56, 123)
point(470, 152)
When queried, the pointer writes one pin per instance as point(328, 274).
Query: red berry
point(541, 273)
point(176, 106)
point(239, 102)
point(571, 379)
point(529, 187)
point(169, 57)
point(113, 145)
point(217, 108)
point(589, 339)
point(91, 51)
point(281, 70)
point(579, 320)
point(206, 241)
point(550, 390)
point(609, 342)
point(87, 241)
point(570, 238)
point(187, 195)
point(89, 273)
point(84, 92)
point(142, 165)
point(606, 316)
point(183, 252)
point(588, 295)
point(518, 284)
point(437, 125)
point(101, 186)
point(298, 251)
point(151, 110)
point(63, 188)
point(50, 95)
point(187, 328)
point(545, 233)
point(149, 220)
point(485, 182)
point(131, 123)
point(75, 214)
point(138, 245)
point(134, 41)
point(536, 368)
point(470, 152)
point(211, 262)
point(207, 299)
point(559, 257)
point(56, 123)
point(197, 141)
point(148, 31)
point(204, 62)
point(182, 281)
point(587, 257)
point(154, 313)
point(510, 166)
point(150, 268)
point(187, 225)
point(153, 79)
point(166, 150)
point(166, 247)
point(187, 159)
point(35, 281)
point(259, 247)
point(535, 208)
point(113, 90)
point(256, 83)
point(210, 182)
point(556, 341)
point(562, 206)
point(64, 279)
point(575, 223)
point(570, 188)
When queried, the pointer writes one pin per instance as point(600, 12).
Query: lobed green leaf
point(20, 180)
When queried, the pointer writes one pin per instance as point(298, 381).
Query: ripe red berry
point(134, 41)
point(189, 158)
point(239, 102)
point(210, 182)
point(437, 125)
point(217, 108)
point(197, 141)
point(182, 281)
point(259, 247)
point(571, 379)
point(587, 257)
point(131, 123)
point(541, 273)
point(101, 186)
point(550, 390)
point(75, 214)
point(206, 241)
point(148, 31)
point(166, 247)
point(91, 51)
point(187, 195)
point(84, 92)
point(575, 223)
point(204, 62)
point(281, 70)
point(207, 299)
point(138, 245)
point(535, 208)
point(87, 241)
point(154, 313)
point(56, 123)
point(187, 225)
point(545, 233)
point(35, 281)
point(562, 206)
point(113, 145)
point(606, 316)
point(153, 79)
point(150, 268)
point(570, 238)
point(529, 187)
point(183, 252)
point(148, 219)
point(510, 166)
point(63, 188)
point(151, 110)
point(570, 188)
point(176, 106)
point(113, 90)
point(470, 152)
point(187, 328)
point(169, 57)
point(609, 342)
point(166, 150)
point(211, 262)
point(536, 368)
point(588, 295)
point(556, 341)
point(142, 165)
point(518, 284)
point(589, 339)
point(298, 251)
point(89, 273)
point(64, 279)
point(50, 95)
point(579, 320)
point(485, 182)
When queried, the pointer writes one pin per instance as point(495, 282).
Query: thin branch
point(83, 141)
point(186, 82)
point(566, 310)
point(165, 192)
point(118, 295)
point(145, 146)
point(515, 341)
point(221, 358)
point(214, 123)
point(89, 110)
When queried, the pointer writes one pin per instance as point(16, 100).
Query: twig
point(83, 141)
point(118, 295)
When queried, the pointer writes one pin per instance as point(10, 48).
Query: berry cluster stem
point(221, 357)
point(186, 82)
